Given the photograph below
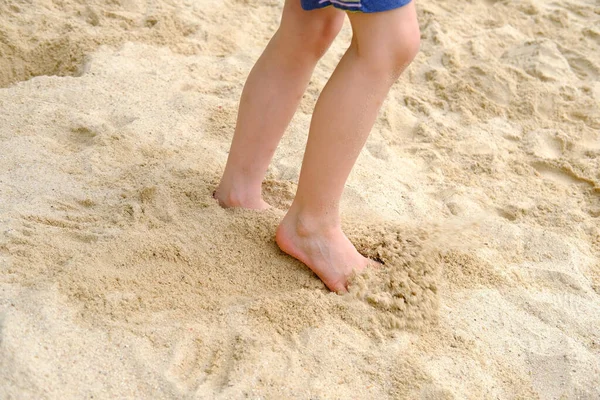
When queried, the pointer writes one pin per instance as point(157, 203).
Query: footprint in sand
point(189, 361)
point(544, 143)
point(582, 66)
point(541, 59)
point(559, 174)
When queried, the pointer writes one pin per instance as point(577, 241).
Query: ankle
point(238, 197)
point(310, 224)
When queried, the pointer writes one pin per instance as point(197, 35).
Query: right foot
point(326, 251)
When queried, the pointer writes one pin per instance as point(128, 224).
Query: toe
point(339, 286)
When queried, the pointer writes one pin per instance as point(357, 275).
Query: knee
point(326, 30)
point(391, 54)
point(406, 49)
point(315, 34)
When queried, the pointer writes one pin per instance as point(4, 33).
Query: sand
point(479, 188)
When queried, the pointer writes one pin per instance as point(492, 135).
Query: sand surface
point(120, 277)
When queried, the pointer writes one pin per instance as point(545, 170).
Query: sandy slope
point(479, 187)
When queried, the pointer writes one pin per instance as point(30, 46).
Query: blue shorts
point(366, 6)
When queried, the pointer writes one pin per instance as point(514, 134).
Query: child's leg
point(270, 98)
point(382, 46)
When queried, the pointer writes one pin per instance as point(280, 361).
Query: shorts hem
point(360, 6)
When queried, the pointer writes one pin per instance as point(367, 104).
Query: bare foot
point(230, 200)
point(327, 252)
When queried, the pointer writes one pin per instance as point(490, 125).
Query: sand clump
point(405, 289)
point(478, 190)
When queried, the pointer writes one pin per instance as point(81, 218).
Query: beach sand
point(479, 188)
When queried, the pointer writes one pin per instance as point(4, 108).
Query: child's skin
point(383, 44)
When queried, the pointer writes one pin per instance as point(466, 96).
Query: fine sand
point(479, 188)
